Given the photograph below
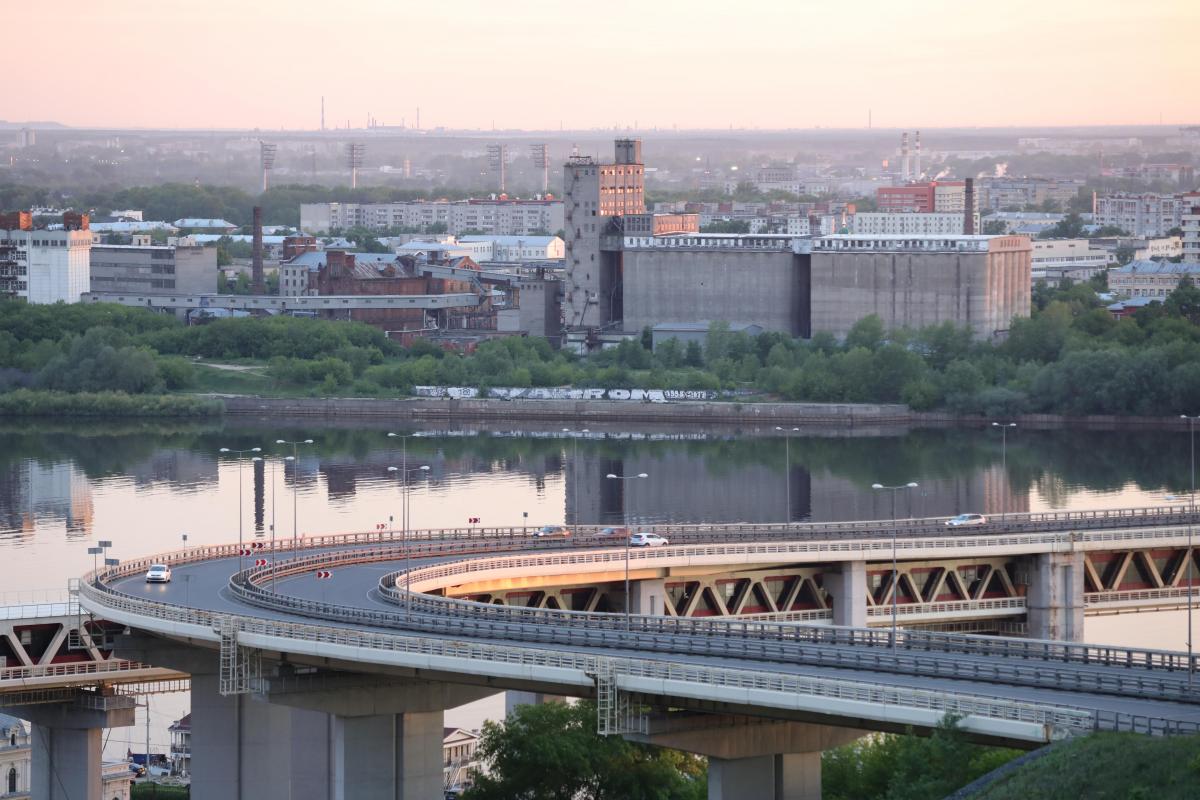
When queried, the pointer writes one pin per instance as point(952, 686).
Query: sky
point(546, 64)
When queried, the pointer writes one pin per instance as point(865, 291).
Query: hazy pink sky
point(539, 63)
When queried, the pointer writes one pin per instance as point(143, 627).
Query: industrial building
point(1145, 214)
point(1150, 278)
point(932, 224)
point(147, 269)
point(1077, 259)
point(41, 265)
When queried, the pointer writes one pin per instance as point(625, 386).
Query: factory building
point(152, 269)
point(44, 266)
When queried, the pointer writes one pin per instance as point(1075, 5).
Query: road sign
point(260, 562)
point(473, 521)
point(246, 551)
point(258, 545)
point(322, 574)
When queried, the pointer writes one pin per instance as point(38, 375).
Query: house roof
point(197, 222)
point(182, 724)
point(531, 241)
point(1159, 268)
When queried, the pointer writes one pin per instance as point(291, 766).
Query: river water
point(144, 486)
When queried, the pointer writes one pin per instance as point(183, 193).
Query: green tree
point(551, 751)
point(867, 332)
point(994, 227)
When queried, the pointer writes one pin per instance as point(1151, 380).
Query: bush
point(30, 403)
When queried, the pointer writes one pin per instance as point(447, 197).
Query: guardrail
point(38, 610)
point(72, 669)
point(1059, 717)
point(1143, 673)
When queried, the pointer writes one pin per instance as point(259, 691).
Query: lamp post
point(1004, 426)
point(295, 482)
point(895, 571)
point(239, 454)
point(1191, 421)
point(613, 477)
point(787, 469)
point(404, 493)
point(575, 470)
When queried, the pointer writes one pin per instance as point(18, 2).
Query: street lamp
point(628, 536)
point(895, 571)
point(1004, 426)
point(295, 458)
point(404, 495)
point(575, 469)
point(1191, 421)
point(239, 454)
point(787, 470)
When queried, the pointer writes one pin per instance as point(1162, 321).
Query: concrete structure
point(501, 216)
point(1190, 222)
point(999, 194)
point(981, 282)
point(1055, 259)
point(943, 197)
point(16, 766)
point(1147, 214)
point(596, 194)
point(516, 249)
point(918, 224)
point(201, 225)
point(44, 266)
point(146, 269)
point(1155, 279)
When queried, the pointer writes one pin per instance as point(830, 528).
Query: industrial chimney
point(917, 161)
point(969, 206)
point(256, 253)
point(905, 174)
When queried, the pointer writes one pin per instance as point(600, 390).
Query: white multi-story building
point(519, 248)
point(1146, 214)
point(43, 266)
point(936, 224)
point(1056, 259)
point(1190, 222)
point(500, 217)
point(1150, 278)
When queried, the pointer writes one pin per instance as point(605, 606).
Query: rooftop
point(1159, 268)
point(196, 222)
point(532, 241)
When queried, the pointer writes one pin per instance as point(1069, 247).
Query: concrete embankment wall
point(845, 415)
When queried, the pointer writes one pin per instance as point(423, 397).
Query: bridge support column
point(847, 584)
point(388, 756)
point(751, 757)
point(67, 746)
point(790, 776)
point(648, 596)
point(1054, 600)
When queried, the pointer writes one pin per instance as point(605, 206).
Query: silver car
point(966, 520)
point(158, 573)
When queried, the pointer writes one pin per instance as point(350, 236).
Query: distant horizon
point(545, 65)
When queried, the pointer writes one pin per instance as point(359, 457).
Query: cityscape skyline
point(672, 66)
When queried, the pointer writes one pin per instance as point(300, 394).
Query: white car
point(158, 573)
point(965, 520)
point(647, 540)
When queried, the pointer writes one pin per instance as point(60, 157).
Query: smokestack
point(969, 207)
point(904, 164)
point(256, 253)
point(917, 161)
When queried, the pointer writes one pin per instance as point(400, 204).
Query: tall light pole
point(1191, 421)
point(787, 469)
point(295, 458)
point(1004, 426)
point(404, 473)
point(628, 536)
point(895, 571)
point(239, 454)
point(575, 470)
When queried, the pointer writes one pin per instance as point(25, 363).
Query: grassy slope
point(1119, 766)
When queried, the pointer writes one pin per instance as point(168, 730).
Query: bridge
point(336, 687)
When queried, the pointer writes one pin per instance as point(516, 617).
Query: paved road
point(205, 586)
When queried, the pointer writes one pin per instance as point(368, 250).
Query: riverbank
point(722, 414)
point(33, 403)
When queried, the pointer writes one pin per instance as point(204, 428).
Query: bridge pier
point(1054, 598)
point(67, 747)
point(751, 757)
point(847, 585)
point(648, 596)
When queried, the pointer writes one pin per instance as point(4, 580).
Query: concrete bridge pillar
point(67, 746)
point(846, 583)
point(751, 757)
point(388, 757)
point(790, 776)
point(1054, 599)
point(648, 596)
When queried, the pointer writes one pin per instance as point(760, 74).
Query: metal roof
point(1159, 268)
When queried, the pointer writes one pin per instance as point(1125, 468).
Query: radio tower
point(266, 157)
point(541, 160)
point(497, 156)
point(354, 160)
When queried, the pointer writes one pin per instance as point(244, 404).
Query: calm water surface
point(144, 485)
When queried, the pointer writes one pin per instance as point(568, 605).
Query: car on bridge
point(647, 539)
point(552, 532)
point(615, 530)
point(158, 573)
point(966, 520)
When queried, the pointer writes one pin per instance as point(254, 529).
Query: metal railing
point(1054, 716)
point(72, 669)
